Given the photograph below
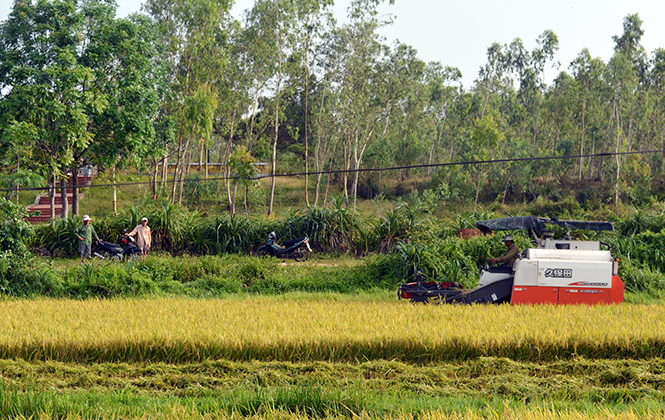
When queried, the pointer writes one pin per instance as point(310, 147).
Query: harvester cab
point(552, 271)
point(556, 271)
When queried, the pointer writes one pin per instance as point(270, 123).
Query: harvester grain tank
point(553, 271)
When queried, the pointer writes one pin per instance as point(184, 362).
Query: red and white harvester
point(554, 271)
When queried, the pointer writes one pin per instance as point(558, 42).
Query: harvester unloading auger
point(554, 271)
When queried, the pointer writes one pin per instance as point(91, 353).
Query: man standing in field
point(85, 233)
point(510, 255)
point(143, 238)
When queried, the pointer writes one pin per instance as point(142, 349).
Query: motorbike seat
point(292, 242)
point(111, 246)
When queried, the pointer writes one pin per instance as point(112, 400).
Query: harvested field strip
point(376, 389)
point(180, 331)
point(576, 380)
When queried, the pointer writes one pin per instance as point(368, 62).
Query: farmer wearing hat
point(143, 238)
point(85, 233)
point(509, 257)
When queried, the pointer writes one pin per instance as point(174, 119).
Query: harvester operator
point(511, 254)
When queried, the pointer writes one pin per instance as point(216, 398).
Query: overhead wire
point(359, 170)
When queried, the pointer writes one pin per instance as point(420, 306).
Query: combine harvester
point(562, 271)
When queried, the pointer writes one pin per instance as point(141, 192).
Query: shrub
point(26, 275)
point(15, 233)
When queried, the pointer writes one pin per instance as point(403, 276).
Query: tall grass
point(273, 329)
point(278, 405)
point(408, 235)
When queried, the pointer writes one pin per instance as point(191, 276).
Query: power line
point(342, 171)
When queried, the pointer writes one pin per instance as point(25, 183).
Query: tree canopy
point(289, 86)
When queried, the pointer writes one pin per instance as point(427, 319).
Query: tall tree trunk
point(618, 158)
point(225, 160)
point(178, 170)
point(309, 35)
point(582, 143)
point(201, 147)
point(63, 197)
point(165, 171)
point(317, 188)
point(115, 195)
point(273, 179)
point(51, 194)
point(347, 166)
point(153, 183)
point(206, 152)
point(184, 171)
point(76, 197)
point(232, 202)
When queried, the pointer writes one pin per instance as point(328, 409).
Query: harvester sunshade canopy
point(538, 224)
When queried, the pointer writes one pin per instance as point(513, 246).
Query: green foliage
point(568, 208)
point(15, 233)
point(209, 276)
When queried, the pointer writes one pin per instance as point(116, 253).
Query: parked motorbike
point(114, 252)
point(298, 249)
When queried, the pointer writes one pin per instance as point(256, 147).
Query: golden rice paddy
point(264, 328)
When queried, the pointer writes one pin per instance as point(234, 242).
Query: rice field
point(328, 357)
point(265, 328)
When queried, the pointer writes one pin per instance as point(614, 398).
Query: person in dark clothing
point(510, 255)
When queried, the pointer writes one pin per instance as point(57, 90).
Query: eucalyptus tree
point(623, 79)
point(529, 68)
point(588, 74)
point(410, 130)
point(193, 40)
point(487, 142)
point(314, 19)
point(629, 44)
point(442, 97)
point(657, 77)
point(364, 89)
point(492, 75)
point(271, 24)
point(327, 126)
point(279, 32)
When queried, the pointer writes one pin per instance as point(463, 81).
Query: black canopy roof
point(538, 224)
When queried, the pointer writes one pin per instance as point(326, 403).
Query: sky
point(458, 33)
